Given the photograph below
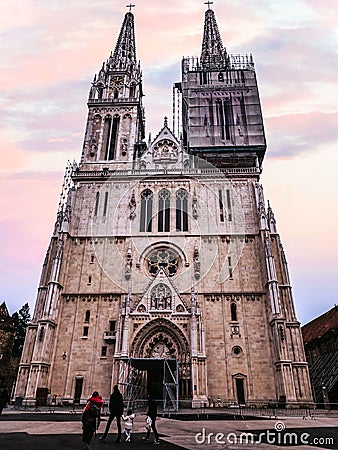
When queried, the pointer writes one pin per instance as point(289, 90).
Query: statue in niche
point(93, 146)
point(141, 309)
point(124, 147)
point(268, 249)
point(194, 206)
point(240, 136)
point(179, 309)
point(132, 206)
point(165, 149)
point(161, 298)
point(127, 270)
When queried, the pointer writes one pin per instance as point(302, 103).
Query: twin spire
point(213, 53)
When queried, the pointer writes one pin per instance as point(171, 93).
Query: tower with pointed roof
point(115, 123)
point(165, 273)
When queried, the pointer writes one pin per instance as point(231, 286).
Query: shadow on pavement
point(25, 441)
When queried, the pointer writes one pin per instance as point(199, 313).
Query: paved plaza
point(61, 430)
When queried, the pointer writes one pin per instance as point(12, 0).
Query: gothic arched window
point(111, 128)
point(164, 210)
point(146, 210)
point(182, 210)
point(132, 90)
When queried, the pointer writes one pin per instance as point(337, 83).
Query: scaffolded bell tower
point(165, 271)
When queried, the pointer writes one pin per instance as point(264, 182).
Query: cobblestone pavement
point(24, 430)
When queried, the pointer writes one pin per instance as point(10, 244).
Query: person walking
point(4, 399)
point(115, 410)
point(91, 418)
point(128, 424)
point(152, 414)
point(148, 429)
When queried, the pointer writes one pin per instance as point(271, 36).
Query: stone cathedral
point(165, 272)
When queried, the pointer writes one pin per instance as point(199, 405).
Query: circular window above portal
point(162, 258)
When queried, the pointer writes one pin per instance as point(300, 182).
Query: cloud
point(300, 134)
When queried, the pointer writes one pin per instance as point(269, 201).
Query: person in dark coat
point(91, 418)
point(115, 410)
point(152, 413)
point(4, 399)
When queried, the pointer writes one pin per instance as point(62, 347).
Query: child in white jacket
point(128, 424)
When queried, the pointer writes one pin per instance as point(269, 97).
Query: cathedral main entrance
point(157, 377)
point(159, 365)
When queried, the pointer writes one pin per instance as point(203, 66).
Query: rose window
point(164, 258)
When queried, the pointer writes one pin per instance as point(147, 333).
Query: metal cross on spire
point(208, 3)
point(130, 6)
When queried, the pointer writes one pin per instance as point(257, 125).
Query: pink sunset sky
point(49, 54)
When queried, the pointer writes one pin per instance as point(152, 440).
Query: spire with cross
point(213, 52)
point(209, 3)
point(130, 6)
point(125, 50)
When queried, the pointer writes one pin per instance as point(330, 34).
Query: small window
point(104, 351)
point(105, 204)
point(221, 208)
point(233, 310)
point(229, 205)
point(85, 331)
point(220, 77)
point(87, 317)
point(89, 279)
point(230, 267)
point(237, 350)
point(112, 326)
point(92, 258)
point(132, 90)
point(97, 199)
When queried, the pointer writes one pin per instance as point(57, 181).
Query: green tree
point(20, 320)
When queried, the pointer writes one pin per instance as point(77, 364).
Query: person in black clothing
point(4, 399)
point(115, 410)
point(152, 413)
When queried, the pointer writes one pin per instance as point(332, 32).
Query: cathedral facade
point(165, 272)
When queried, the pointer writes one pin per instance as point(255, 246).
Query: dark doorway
point(41, 396)
point(157, 377)
point(240, 391)
point(155, 381)
point(78, 390)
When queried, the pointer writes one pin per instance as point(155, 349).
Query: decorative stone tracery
point(163, 339)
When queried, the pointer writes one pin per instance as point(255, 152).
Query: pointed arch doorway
point(157, 377)
point(159, 365)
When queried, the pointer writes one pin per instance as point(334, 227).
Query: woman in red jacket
point(91, 418)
